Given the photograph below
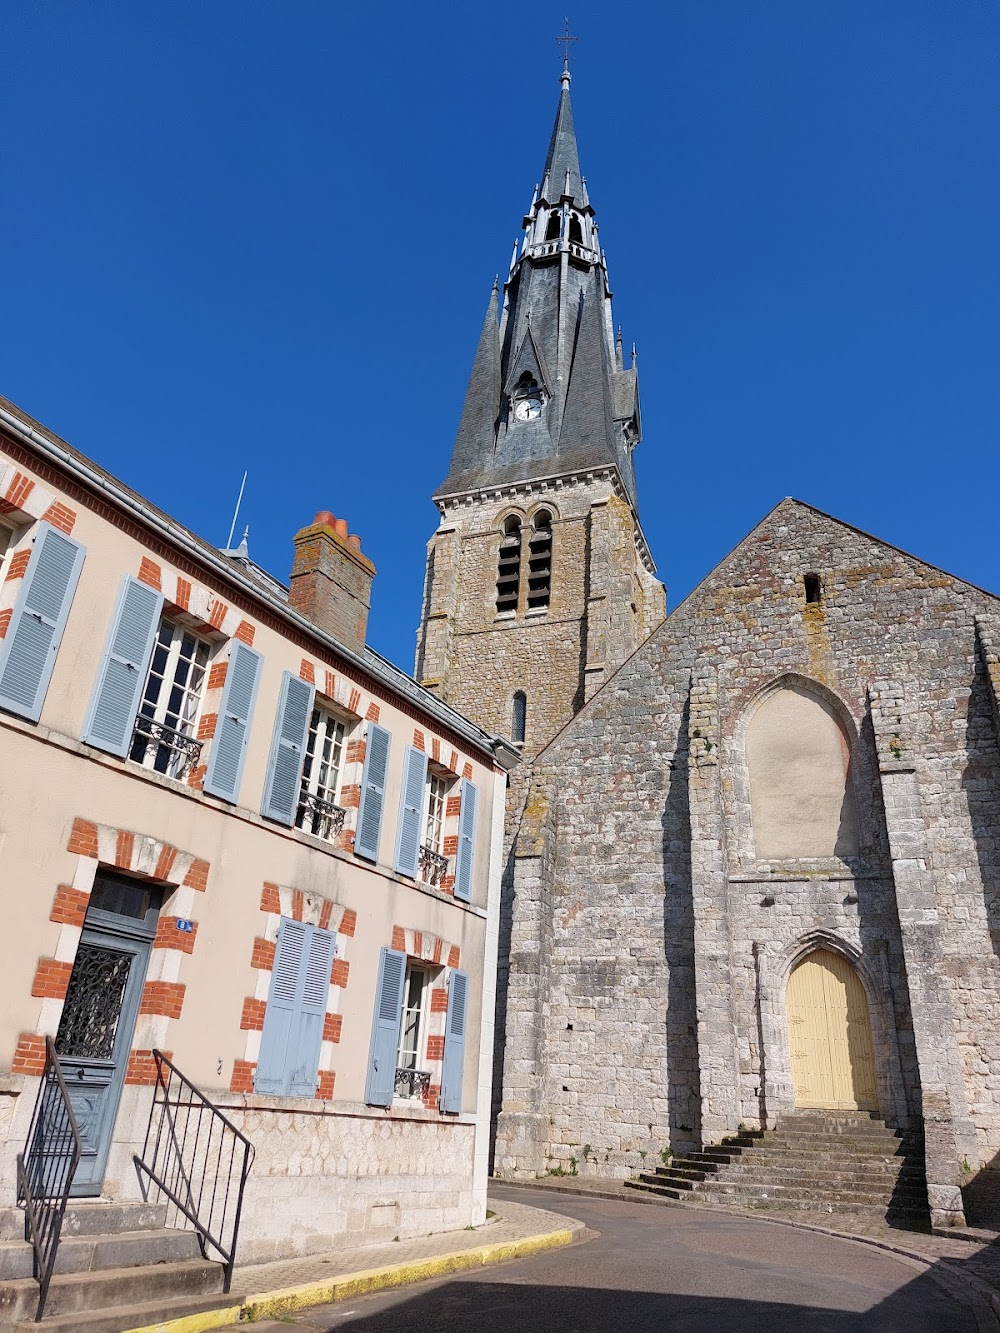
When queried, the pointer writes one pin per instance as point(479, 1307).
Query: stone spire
point(548, 397)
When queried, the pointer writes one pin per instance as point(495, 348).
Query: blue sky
point(263, 235)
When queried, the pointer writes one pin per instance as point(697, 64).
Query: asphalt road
point(668, 1270)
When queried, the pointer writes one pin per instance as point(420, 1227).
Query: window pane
point(168, 713)
point(321, 774)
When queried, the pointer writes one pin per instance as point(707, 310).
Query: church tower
point(539, 581)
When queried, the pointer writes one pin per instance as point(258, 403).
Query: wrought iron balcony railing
point(412, 1082)
point(433, 866)
point(321, 818)
point(163, 748)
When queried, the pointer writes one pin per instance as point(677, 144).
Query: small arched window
point(554, 224)
point(509, 565)
point(540, 560)
point(575, 230)
point(519, 718)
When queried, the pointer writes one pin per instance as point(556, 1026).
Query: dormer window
point(527, 399)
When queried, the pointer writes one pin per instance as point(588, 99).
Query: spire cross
point(566, 40)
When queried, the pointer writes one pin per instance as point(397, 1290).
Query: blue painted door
point(99, 1014)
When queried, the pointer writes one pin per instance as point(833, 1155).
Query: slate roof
point(562, 156)
point(556, 324)
point(477, 429)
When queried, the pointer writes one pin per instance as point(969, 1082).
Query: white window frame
point(146, 750)
point(323, 724)
point(432, 864)
point(418, 1055)
point(436, 791)
point(10, 535)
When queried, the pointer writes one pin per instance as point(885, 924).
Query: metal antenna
point(236, 513)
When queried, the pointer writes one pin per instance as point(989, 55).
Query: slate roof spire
point(562, 162)
point(548, 395)
point(477, 429)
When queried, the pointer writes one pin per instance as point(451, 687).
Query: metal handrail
point(45, 1171)
point(184, 1156)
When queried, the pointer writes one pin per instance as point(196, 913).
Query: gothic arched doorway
point(830, 1034)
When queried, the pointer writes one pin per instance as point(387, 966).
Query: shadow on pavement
point(515, 1307)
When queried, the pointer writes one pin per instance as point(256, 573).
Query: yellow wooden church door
point(832, 1061)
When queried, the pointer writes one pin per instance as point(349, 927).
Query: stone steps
point(84, 1254)
point(117, 1267)
point(92, 1218)
point(803, 1185)
point(761, 1169)
point(108, 1289)
point(819, 1181)
point(809, 1162)
point(123, 1318)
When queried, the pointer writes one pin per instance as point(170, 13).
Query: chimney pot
point(331, 580)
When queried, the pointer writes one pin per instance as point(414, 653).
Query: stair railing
point(45, 1171)
point(198, 1160)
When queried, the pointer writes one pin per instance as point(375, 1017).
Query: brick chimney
point(331, 581)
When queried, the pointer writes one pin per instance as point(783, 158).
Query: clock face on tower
point(528, 409)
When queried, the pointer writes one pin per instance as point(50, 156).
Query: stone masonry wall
point(603, 604)
point(631, 1046)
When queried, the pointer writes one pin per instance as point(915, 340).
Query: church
point(753, 867)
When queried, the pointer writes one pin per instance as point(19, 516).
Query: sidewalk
point(269, 1291)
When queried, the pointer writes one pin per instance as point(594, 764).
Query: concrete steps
point(117, 1267)
point(817, 1162)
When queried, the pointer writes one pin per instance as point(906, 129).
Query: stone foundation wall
point(320, 1177)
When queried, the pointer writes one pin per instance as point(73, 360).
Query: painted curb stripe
point(329, 1290)
point(271, 1304)
point(196, 1323)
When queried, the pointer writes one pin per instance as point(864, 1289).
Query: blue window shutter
point(372, 792)
point(296, 1008)
point(229, 748)
point(466, 842)
point(282, 1006)
point(306, 1037)
point(28, 651)
point(288, 747)
point(454, 1042)
point(385, 1028)
point(122, 674)
point(411, 811)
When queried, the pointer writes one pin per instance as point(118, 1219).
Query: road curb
point(272, 1304)
point(287, 1300)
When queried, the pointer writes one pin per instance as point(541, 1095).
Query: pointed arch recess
point(799, 742)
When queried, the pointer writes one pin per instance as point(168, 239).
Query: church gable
point(826, 589)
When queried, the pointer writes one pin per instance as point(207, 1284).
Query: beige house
point(231, 833)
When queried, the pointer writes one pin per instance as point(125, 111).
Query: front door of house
point(100, 1011)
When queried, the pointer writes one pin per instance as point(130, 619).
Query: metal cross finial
point(566, 40)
